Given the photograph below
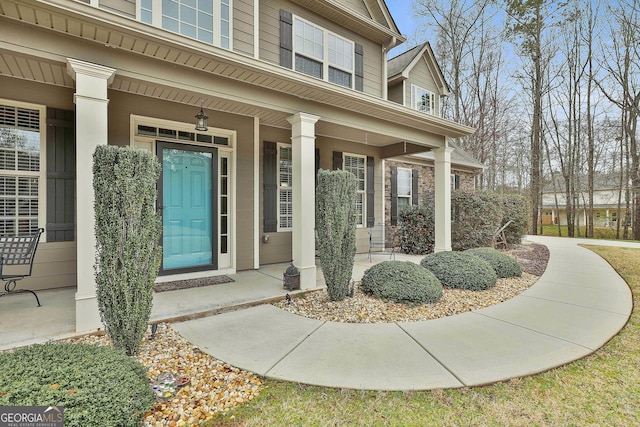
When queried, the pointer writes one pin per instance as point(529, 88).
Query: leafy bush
point(128, 232)
point(336, 229)
point(460, 270)
point(97, 386)
point(515, 208)
point(417, 229)
point(401, 281)
point(475, 219)
point(502, 264)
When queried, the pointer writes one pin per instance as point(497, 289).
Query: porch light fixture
point(201, 119)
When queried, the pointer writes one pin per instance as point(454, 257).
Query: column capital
point(303, 118)
point(75, 67)
point(443, 150)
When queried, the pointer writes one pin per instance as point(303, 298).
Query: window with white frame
point(322, 54)
point(357, 165)
point(21, 153)
point(404, 188)
point(285, 188)
point(423, 100)
point(205, 20)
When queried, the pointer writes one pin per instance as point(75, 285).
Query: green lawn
point(600, 390)
point(598, 232)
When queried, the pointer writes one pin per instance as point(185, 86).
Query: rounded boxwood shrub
point(97, 386)
point(401, 281)
point(502, 264)
point(460, 270)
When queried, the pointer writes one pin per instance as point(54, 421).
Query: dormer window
point(423, 100)
point(205, 20)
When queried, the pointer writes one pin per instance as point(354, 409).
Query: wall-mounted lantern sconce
point(201, 119)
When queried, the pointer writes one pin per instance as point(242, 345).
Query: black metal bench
point(18, 252)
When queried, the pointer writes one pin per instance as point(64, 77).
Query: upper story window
point(423, 100)
point(22, 145)
point(322, 54)
point(205, 20)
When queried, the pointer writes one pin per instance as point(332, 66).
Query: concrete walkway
point(575, 308)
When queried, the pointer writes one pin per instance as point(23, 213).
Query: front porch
point(22, 323)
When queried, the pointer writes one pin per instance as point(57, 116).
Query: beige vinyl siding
point(270, 40)
point(121, 7)
point(395, 93)
point(357, 6)
point(54, 267)
point(421, 76)
point(243, 26)
point(279, 247)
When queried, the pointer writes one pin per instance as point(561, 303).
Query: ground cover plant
point(599, 390)
point(97, 386)
point(402, 281)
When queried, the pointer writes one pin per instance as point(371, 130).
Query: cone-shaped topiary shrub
point(336, 229)
point(98, 386)
point(502, 264)
point(127, 241)
point(401, 281)
point(460, 270)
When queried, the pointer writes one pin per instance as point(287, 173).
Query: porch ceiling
point(346, 114)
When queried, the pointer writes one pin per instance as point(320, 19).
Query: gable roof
point(399, 67)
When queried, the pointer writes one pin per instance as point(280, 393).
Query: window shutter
point(286, 39)
point(359, 72)
point(337, 160)
point(394, 195)
point(61, 175)
point(371, 192)
point(415, 178)
point(270, 178)
point(457, 182)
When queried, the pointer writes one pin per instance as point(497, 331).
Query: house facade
point(289, 86)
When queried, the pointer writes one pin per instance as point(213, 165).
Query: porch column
point(303, 136)
point(443, 198)
point(91, 102)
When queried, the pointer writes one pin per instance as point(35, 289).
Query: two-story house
point(289, 86)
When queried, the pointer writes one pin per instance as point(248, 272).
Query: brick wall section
point(426, 183)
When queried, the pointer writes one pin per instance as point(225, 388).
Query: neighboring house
point(605, 203)
point(289, 86)
point(416, 81)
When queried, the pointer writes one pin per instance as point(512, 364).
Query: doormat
point(192, 283)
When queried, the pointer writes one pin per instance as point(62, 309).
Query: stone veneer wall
point(426, 183)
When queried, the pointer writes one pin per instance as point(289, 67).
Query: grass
point(599, 390)
point(608, 233)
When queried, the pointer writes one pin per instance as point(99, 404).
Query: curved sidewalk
point(576, 307)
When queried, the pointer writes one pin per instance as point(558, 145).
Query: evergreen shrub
point(502, 264)
point(128, 252)
point(515, 208)
point(98, 386)
point(336, 230)
point(475, 219)
point(460, 270)
point(417, 229)
point(401, 281)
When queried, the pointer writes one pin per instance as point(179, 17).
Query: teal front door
point(187, 196)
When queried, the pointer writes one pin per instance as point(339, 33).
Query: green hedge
point(417, 230)
point(97, 386)
point(502, 264)
point(401, 281)
point(475, 219)
point(460, 270)
point(515, 208)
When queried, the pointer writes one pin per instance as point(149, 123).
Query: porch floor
point(23, 323)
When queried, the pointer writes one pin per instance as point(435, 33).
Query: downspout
point(385, 50)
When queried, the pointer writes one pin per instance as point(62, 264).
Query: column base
point(87, 314)
point(439, 249)
point(308, 278)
